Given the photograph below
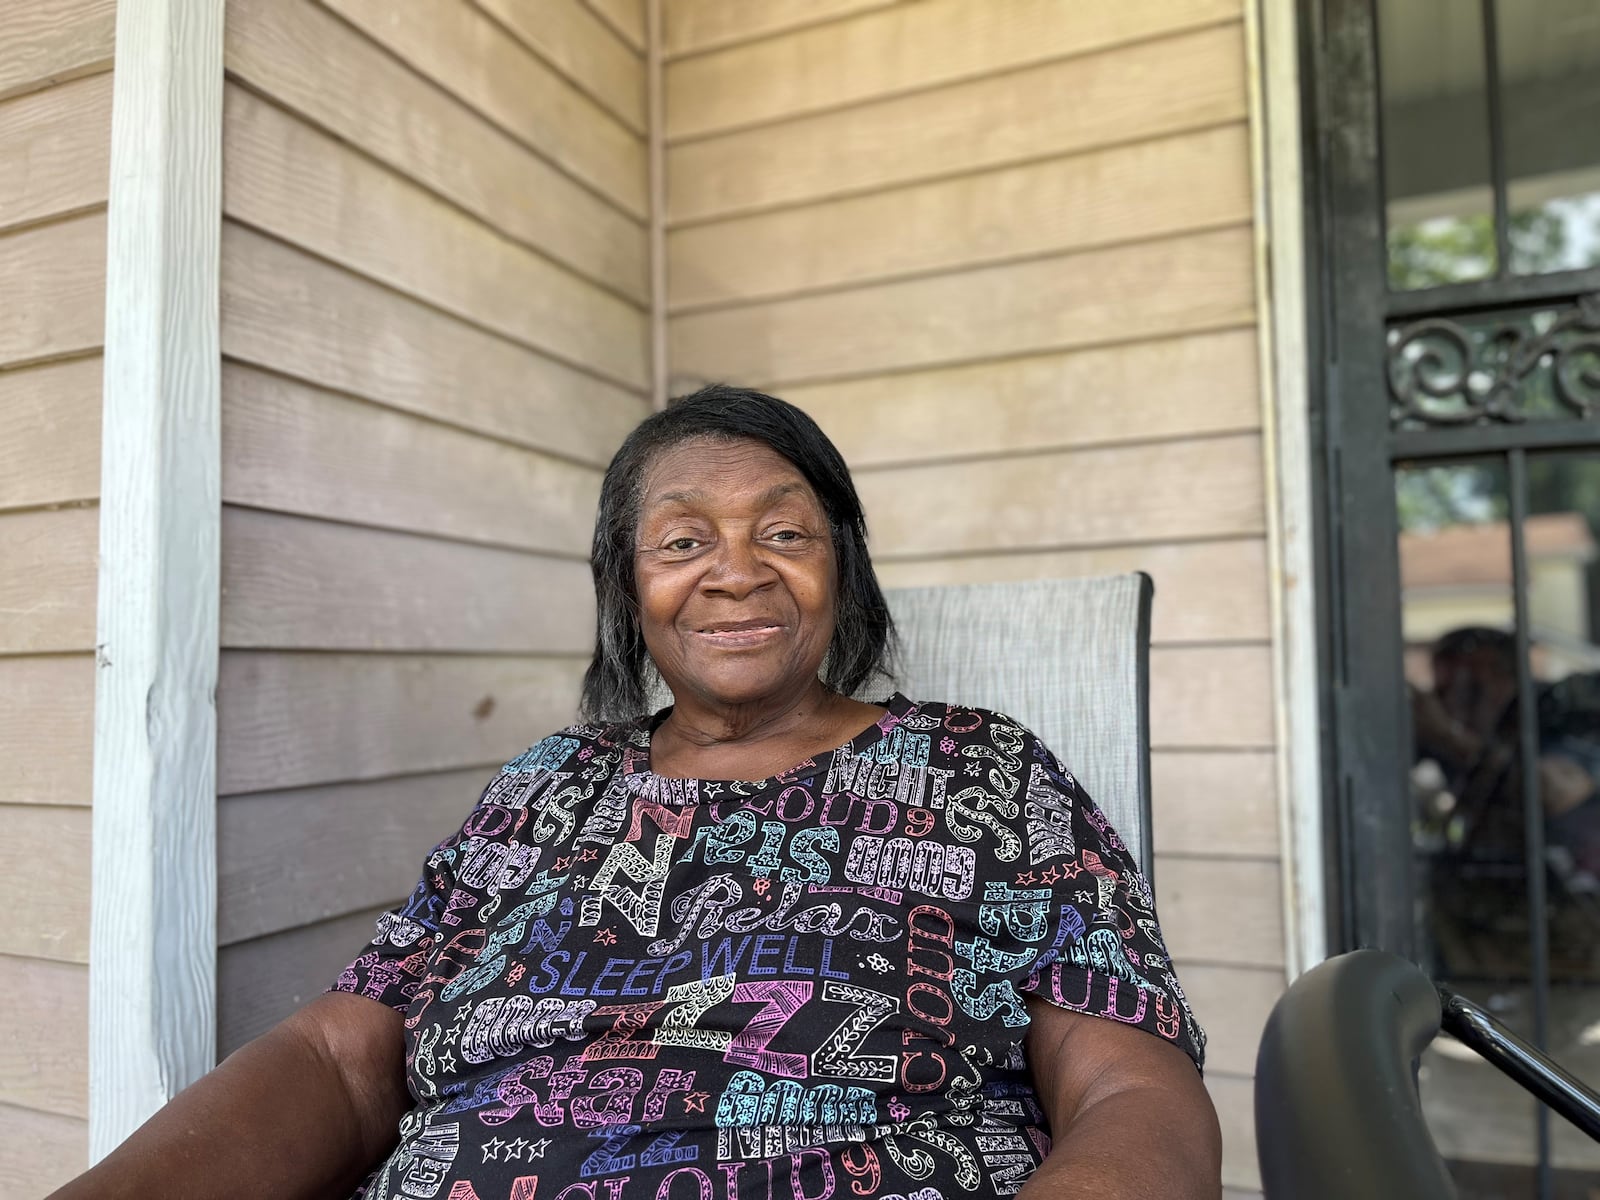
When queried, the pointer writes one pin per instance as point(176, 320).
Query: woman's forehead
point(704, 471)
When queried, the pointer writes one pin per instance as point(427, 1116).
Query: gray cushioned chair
point(1069, 658)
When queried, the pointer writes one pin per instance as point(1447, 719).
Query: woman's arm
point(307, 1109)
point(1129, 1116)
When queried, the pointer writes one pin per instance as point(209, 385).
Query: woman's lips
point(740, 635)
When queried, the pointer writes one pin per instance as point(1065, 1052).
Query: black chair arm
point(1337, 1110)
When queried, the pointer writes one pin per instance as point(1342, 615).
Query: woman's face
point(735, 573)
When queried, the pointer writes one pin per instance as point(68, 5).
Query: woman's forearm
point(1135, 1144)
point(304, 1110)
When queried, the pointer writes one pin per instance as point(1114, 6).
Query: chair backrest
point(1337, 1109)
point(1069, 658)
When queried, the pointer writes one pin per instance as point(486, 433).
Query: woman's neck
point(754, 741)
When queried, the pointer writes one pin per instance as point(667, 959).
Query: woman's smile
point(740, 635)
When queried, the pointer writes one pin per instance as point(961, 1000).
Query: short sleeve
point(393, 964)
point(442, 918)
point(1105, 955)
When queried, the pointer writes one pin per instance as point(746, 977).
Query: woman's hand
point(1128, 1113)
point(307, 1109)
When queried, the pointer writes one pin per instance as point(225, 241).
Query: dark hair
point(614, 687)
point(1469, 640)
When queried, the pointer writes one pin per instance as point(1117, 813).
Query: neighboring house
point(1461, 575)
point(1052, 274)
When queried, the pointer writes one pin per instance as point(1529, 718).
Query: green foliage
point(1445, 250)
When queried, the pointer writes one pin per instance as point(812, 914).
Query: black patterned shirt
point(622, 986)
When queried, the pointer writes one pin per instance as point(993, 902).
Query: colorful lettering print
point(619, 986)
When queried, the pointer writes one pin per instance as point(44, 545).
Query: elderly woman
point(771, 941)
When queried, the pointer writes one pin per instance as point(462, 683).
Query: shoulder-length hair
point(616, 683)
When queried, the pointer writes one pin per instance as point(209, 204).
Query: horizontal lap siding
point(55, 145)
point(1206, 591)
point(301, 316)
point(696, 26)
point(1154, 88)
point(1126, 193)
point(55, 139)
point(290, 861)
point(51, 454)
point(295, 719)
point(47, 712)
point(1181, 489)
point(47, 42)
point(56, 284)
point(297, 583)
point(42, 1064)
point(434, 336)
point(401, 118)
point(579, 43)
point(625, 18)
point(273, 975)
point(293, 447)
point(41, 1150)
point(286, 179)
point(1006, 260)
point(469, 55)
point(47, 580)
point(1128, 293)
point(904, 48)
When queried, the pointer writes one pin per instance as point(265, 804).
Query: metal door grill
point(1454, 185)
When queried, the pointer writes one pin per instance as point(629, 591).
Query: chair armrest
point(1336, 1103)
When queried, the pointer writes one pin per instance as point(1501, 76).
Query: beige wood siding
point(435, 274)
point(1004, 254)
point(55, 137)
point(55, 143)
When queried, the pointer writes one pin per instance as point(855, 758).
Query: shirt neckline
point(637, 765)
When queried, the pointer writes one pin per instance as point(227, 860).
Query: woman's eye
point(787, 535)
point(682, 544)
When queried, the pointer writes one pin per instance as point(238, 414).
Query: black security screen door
point(1454, 150)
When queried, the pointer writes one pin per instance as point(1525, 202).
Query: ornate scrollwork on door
point(1519, 368)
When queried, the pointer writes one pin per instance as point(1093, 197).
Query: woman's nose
point(737, 567)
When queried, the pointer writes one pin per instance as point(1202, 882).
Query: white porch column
point(152, 969)
point(1286, 426)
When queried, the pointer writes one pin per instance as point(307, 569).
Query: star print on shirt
point(447, 1062)
point(606, 937)
point(1049, 876)
point(491, 1149)
point(464, 1011)
point(695, 1102)
point(537, 1149)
